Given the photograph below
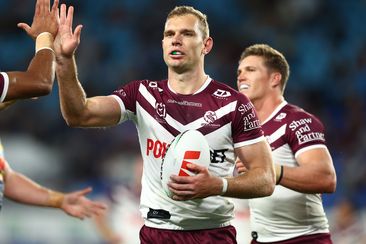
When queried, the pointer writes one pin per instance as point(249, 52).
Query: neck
point(265, 107)
point(188, 82)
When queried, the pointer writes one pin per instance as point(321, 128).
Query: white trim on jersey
point(309, 148)
point(6, 86)
point(283, 104)
point(246, 143)
point(123, 109)
point(203, 87)
point(277, 134)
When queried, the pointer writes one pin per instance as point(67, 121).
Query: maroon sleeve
point(245, 125)
point(304, 130)
point(128, 94)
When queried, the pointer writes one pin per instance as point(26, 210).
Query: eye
point(168, 34)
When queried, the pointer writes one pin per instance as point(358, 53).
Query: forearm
point(21, 189)
point(72, 96)
point(257, 182)
point(308, 180)
point(36, 81)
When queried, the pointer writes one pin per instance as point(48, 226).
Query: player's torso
point(160, 116)
point(299, 213)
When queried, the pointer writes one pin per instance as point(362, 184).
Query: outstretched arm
point(77, 109)
point(21, 189)
point(38, 79)
point(258, 181)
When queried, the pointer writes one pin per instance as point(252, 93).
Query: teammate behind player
point(38, 81)
point(188, 99)
point(294, 213)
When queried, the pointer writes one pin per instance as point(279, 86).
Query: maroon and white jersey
point(286, 214)
point(224, 116)
point(4, 84)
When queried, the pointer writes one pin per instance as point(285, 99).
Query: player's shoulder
point(296, 114)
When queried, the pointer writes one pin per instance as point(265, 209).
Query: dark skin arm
point(38, 79)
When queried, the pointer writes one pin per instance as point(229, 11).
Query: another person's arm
point(21, 189)
point(77, 109)
point(315, 173)
point(38, 79)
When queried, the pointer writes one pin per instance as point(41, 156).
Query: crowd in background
point(323, 41)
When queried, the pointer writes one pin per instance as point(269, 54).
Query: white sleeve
point(4, 86)
point(124, 116)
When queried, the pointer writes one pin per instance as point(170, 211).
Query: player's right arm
point(37, 80)
point(77, 109)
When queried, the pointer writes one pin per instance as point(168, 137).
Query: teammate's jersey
point(224, 116)
point(4, 84)
point(286, 213)
point(2, 169)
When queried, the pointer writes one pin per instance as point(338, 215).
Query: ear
point(276, 79)
point(207, 45)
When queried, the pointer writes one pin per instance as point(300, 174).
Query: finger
point(42, 7)
point(24, 26)
point(77, 32)
point(70, 16)
point(195, 168)
point(180, 198)
point(181, 179)
point(46, 4)
point(37, 8)
point(63, 14)
point(83, 192)
point(55, 6)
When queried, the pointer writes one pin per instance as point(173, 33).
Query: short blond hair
point(184, 10)
point(273, 60)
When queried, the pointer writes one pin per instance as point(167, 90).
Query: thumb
point(24, 26)
point(85, 191)
point(77, 32)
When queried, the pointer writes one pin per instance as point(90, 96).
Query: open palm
point(77, 205)
point(67, 41)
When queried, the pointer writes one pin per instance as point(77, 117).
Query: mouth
point(243, 87)
point(176, 53)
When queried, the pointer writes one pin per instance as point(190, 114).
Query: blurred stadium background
point(324, 42)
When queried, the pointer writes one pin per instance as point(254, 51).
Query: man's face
point(183, 43)
point(253, 78)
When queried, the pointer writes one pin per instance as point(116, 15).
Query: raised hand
point(77, 205)
point(67, 41)
point(44, 20)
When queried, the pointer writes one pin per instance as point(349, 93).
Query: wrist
point(224, 186)
point(279, 173)
point(55, 199)
point(44, 41)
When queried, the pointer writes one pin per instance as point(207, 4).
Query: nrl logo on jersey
point(160, 110)
point(222, 93)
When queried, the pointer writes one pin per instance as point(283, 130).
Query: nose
point(240, 76)
point(177, 40)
